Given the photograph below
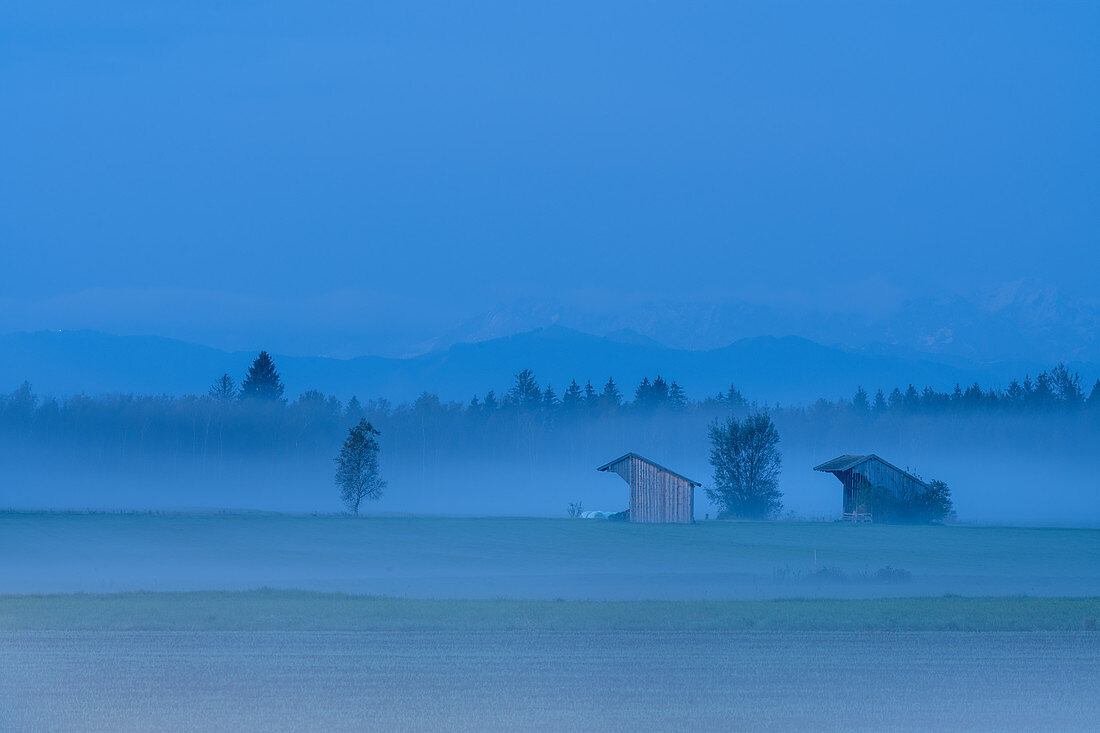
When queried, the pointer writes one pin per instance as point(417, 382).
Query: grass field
point(537, 558)
point(118, 622)
point(271, 610)
point(545, 680)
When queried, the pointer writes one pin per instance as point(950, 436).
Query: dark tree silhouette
point(550, 401)
point(677, 398)
point(525, 393)
point(591, 399)
point(490, 403)
point(224, 389)
point(357, 468)
point(571, 399)
point(611, 397)
point(746, 460)
point(263, 381)
point(860, 403)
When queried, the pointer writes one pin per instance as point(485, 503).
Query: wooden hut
point(656, 493)
point(861, 474)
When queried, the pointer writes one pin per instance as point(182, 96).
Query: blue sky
point(415, 162)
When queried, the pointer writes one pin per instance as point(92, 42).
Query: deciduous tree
point(358, 474)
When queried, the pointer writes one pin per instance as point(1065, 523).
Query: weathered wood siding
point(877, 473)
point(860, 480)
point(656, 495)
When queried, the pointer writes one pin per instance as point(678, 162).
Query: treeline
point(256, 417)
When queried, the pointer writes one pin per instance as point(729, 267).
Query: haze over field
point(317, 319)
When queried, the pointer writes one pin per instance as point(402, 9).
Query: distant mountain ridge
point(1019, 321)
point(768, 369)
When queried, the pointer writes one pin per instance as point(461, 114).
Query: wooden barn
point(859, 474)
point(656, 493)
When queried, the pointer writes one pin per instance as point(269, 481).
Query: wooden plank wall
point(656, 495)
point(877, 473)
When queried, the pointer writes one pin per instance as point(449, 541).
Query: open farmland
point(537, 558)
point(117, 622)
point(542, 680)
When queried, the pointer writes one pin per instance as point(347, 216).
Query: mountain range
point(767, 369)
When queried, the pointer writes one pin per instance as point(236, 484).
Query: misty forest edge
point(260, 397)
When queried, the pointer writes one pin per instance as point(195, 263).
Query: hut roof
point(846, 462)
point(607, 466)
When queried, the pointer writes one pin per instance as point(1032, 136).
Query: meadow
point(120, 622)
point(518, 558)
point(544, 680)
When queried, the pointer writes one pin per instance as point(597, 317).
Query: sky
point(222, 169)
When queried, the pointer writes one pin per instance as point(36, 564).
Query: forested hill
point(789, 370)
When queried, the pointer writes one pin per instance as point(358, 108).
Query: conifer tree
point(659, 391)
point(525, 393)
point(611, 398)
point(263, 380)
point(643, 394)
point(880, 402)
point(734, 399)
point(490, 404)
point(353, 411)
point(591, 399)
point(1094, 396)
point(571, 399)
point(677, 398)
point(859, 401)
point(550, 400)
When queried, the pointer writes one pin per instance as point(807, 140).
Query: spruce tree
point(677, 398)
point(353, 411)
point(734, 399)
point(859, 402)
point(525, 393)
point(550, 400)
point(659, 392)
point(263, 381)
point(571, 399)
point(490, 404)
point(611, 398)
point(880, 402)
point(1094, 396)
point(591, 399)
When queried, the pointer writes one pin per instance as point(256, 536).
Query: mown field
point(547, 680)
point(420, 557)
point(294, 611)
point(119, 622)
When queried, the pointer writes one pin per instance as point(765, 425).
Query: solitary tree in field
point(262, 380)
point(223, 389)
point(357, 471)
point(746, 461)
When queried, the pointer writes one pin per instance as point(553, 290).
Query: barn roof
point(607, 466)
point(846, 462)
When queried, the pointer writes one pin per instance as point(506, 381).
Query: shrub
point(930, 506)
